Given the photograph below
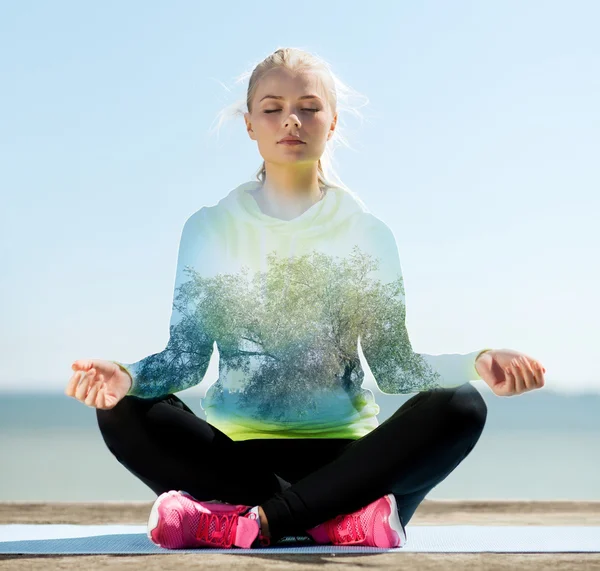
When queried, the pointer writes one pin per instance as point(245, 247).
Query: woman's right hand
point(99, 384)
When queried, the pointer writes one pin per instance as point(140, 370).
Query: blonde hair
point(338, 95)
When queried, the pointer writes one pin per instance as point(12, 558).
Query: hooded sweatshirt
point(297, 309)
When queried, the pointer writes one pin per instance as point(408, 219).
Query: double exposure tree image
point(292, 333)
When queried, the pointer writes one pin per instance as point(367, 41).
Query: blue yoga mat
point(132, 539)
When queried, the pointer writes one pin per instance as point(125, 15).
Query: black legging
point(299, 482)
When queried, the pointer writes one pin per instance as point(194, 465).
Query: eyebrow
point(281, 97)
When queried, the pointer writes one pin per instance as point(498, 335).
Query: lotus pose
point(299, 287)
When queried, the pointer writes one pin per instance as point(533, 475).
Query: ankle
point(264, 524)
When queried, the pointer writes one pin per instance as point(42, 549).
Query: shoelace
point(218, 537)
point(354, 534)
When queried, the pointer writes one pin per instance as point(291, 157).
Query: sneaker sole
point(394, 520)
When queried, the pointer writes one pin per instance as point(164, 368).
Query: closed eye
point(276, 110)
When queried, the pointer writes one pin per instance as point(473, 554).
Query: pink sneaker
point(178, 520)
point(376, 525)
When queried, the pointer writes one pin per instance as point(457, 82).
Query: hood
point(334, 208)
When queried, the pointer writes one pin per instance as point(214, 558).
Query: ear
point(249, 126)
point(332, 128)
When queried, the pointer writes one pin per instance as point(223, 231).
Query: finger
point(80, 367)
point(101, 398)
point(540, 374)
point(82, 388)
point(107, 399)
point(528, 374)
point(73, 382)
point(538, 371)
point(519, 384)
point(92, 393)
point(85, 364)
point(80, 378)
point(514, 378)
point(509, 385)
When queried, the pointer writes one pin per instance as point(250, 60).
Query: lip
point(291, 139)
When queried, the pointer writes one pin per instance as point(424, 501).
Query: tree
point(292, 331)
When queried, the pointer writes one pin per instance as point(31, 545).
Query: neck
point(286, 194)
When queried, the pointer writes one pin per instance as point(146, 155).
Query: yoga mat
point(132, 539)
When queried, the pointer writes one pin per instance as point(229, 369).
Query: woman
point(292, 278)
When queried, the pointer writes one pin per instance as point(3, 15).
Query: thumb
point(484, 361)
point(85, 364)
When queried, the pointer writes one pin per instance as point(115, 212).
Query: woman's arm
point(384, 340)
point(185, 359)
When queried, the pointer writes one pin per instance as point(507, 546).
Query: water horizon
point(536, 446)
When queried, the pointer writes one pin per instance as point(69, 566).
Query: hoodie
point(296, 309)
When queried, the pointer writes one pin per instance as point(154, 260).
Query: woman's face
point(310, 119)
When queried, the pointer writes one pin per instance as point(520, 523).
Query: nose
point(293, 118)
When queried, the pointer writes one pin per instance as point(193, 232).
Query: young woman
point(299, 287)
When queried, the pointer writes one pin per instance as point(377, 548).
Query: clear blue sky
point(480, 151)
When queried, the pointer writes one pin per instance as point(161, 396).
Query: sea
point(540, 445)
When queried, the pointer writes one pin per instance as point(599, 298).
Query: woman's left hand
point(509, 372)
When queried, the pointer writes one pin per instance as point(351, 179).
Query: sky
point(478, 147)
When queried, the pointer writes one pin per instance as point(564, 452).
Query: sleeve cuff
point(475, 373)
point(126, 370)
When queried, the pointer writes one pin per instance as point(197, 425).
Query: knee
point(468, 408)
point(113, 422)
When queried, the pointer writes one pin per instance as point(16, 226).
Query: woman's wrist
point(477, 357)
point(481, 353)
point(127, 372)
